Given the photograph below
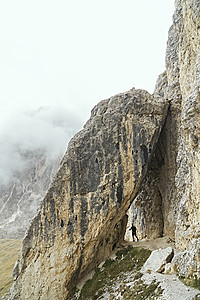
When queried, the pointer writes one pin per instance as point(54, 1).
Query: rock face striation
point(83, 216)
point(136, 148)
point(169, 199)
point(183, 71)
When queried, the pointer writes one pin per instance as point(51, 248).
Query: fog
point(60, 58)
point(47, 129)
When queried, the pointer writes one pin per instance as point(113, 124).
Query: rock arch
point(83, 216)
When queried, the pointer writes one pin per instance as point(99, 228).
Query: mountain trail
point(151, 244)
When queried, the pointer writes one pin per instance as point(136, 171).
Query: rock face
point(21, 197)
point(186, 36)
point(158, 259)
point(129, 151)
point(169, 199)
point(83, 216)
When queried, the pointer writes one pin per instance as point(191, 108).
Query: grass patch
point(192, 282)
point(142, 291)
point(73, 294)
point(129, 259)
point(9, 250)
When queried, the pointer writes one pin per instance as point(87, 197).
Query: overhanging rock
point(83, 216)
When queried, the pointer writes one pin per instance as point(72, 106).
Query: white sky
point(74, 53)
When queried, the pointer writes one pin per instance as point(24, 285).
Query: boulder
point(157, 260)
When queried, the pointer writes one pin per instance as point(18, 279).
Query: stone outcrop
point(157, 260)
point(135, 148)
point(187, 179)
point(83, 216)
point(169, 200)
point(21, 196)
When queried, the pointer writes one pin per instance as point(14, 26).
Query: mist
point(70, 54)
point(46, 129)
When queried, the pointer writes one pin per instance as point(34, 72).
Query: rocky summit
point(136, 149)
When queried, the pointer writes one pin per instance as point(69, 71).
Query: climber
point(133, 228)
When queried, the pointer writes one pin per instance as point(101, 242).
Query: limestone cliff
point(83, 216)
point(135, 148)
point(170, 195)
point(186, 36)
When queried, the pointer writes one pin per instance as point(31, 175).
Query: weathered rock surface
point(158, 259)
point(20, 198)
point(83, 216)
point(187, 179)
point(169, 199)
point(173, 288)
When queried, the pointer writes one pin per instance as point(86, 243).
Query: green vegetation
point(193, 282)
point(9, 250)
point(113, 272)
point(74, 294)
point(140, 290)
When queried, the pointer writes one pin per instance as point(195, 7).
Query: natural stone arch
point(83, 216)
point(154, 211)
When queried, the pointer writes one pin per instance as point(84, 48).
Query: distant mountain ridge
point(32, 144)
point(20, 198)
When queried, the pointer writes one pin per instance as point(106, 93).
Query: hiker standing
point(133, 228)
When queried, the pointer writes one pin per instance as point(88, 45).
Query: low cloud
point(47, 129)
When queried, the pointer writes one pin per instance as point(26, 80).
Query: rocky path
point(159, 243)
point(136, 286)
point(173, 288)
